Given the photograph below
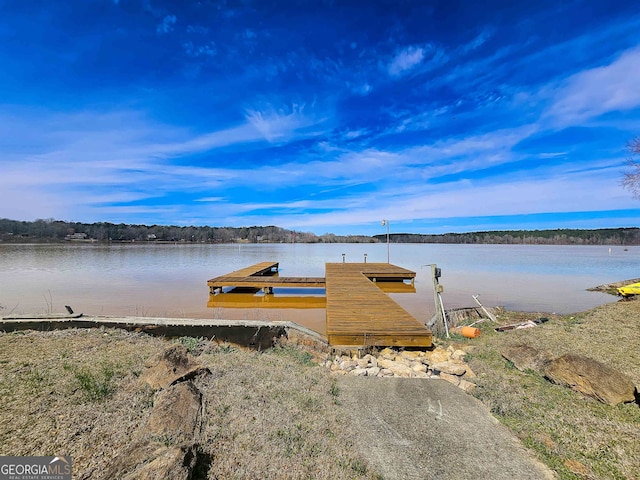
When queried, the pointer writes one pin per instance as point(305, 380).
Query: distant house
point(151, 236)
point(76, 236)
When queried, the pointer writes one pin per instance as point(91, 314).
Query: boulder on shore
point(591, 378)
point(525, 357)
point(582, 374)
point(173, 365)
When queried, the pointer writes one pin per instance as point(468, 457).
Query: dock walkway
point(359, 313)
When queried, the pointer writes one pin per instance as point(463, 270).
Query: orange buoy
point(470, 332)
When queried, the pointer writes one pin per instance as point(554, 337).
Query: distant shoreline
point(58, 231)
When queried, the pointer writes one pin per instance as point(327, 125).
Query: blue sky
point(328, 116)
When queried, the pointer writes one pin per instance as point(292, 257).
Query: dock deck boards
point(359, 313)
point(262, 275)
point(258, 269)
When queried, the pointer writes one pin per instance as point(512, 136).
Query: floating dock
point(358, 312)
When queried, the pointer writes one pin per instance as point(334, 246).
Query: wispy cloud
point(281, 125)
point(613, 87)
point(405, 60)
point(123, 152)
point(479, 40)
point(167, 24)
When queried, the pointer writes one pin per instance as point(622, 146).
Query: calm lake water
point(170, 280)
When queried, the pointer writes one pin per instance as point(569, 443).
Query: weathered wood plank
point(359, 313)
point(261, 275)
point(261, 282)
point(261, 268)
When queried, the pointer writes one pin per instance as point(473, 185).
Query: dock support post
point(437, 289)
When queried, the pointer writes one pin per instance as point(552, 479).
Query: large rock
point(399, 369)
point(591, 378)
point(419, 367)
point(450, 378)
point(411, 355)
point(437, 355)
point(466, 386)
point(152, 461)
point(450, 367)
point(458, 355)
point(469, 373)
point(525, 357)
point(176, 414)
point(388, 353)
point(173, 365)
point(373, 371)
point(371, 360)
point(165, 447)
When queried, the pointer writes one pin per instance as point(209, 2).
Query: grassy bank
point(578, 437)
point(77, 392)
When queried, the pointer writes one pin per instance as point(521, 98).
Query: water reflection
point(235, 299)
point(396, 287)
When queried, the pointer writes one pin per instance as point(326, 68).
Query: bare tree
point(631, 179)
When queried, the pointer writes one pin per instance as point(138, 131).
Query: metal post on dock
point(383, 223)
point(365, 258)
point(436, 273)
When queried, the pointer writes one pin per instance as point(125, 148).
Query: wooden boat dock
point(262, 276)
point(358, 313)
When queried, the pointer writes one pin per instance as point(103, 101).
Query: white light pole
point(383, 223)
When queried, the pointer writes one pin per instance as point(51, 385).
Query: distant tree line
point(50, 230)
point(604, 236)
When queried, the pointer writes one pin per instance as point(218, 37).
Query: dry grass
point(267, 415)
point(576, 436)
point(46, 408)
point(276, 419)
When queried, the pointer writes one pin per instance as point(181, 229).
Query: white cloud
point(479, 40)
point(460, 199)
point(87, 160)
point(613, 87)
point(351, 134)
point(211, 199)
point(167, 24)
point(405, 60)
point(281, 125)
